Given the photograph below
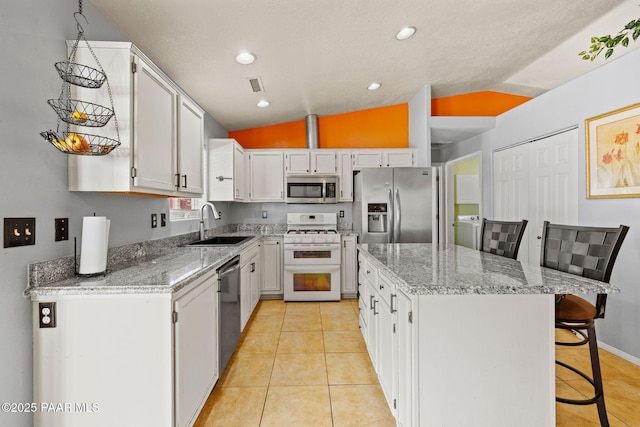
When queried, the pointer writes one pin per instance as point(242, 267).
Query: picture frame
point(613, 153)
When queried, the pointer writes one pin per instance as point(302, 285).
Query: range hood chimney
point(312, 131)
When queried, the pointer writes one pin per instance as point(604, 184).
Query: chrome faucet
point(215, 216)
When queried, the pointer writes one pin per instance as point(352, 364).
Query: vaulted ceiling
point(320, 56)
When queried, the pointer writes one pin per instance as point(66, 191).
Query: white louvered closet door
point(537, 181)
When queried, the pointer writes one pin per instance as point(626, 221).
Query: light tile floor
point(299, 364)
point(306, 364)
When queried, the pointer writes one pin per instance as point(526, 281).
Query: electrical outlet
point(219, 214)
point(163, 219)
point(62, 229)
point(19, 232)
point(47, 314)
point(341, 214)
point(154, 220)
point(265, 214)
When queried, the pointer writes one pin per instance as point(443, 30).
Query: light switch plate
point(19, 232)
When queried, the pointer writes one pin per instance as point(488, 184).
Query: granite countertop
point(164, 273)
point(426, 269)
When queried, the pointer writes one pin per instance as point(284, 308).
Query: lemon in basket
point(79, 117)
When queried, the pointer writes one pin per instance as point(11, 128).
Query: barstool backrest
point(502, 237)
point(584, 251)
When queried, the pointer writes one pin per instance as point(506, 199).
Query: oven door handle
point(311, 247)
point(318, 268)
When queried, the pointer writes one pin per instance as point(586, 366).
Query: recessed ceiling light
point(245, 58)
point(263, 103)
point(374, 86)
point(405, 33)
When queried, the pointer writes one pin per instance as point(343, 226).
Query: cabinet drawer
point(385, 288)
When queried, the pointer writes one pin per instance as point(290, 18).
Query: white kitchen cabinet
point(127, 359)
point(384, 352)
point(196, 349)
point(399, 158)
point(161, 129)
point(304, 162)
point(366, 159)
point(389, 157)
point(190, 146)
point(345, 172)
point(266, 175)
point(349, 271)
point(249, 282)
point(403, 346)
point(226, 160)
point(272, 266)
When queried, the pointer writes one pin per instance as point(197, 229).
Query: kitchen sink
point(221, 241)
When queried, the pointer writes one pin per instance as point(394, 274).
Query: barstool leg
point(597, 376)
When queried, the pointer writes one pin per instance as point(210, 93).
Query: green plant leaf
point(636, 33)
point(608, 53)
point(630, 25)
point(625, 42)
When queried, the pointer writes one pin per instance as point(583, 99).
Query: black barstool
point(588, 252)
point(502, 237)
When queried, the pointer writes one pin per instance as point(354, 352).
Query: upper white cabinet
point(190, 146)
point(161, 129)
point(226, 170)
point(366, 159)
point(390, 157)
point(302, 162)
point(345, 171)
point(266, 175)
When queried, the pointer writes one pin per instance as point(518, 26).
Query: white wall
point(34, 175)
point(609, 87)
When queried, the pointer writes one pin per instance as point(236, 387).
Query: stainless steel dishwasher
point(228, 310)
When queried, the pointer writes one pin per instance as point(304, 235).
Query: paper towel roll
point(95, 242)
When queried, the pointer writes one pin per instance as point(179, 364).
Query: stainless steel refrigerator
point(396, 205)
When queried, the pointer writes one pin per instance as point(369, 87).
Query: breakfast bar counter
point(461, 337)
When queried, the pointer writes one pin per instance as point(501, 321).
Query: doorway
point(463, 194)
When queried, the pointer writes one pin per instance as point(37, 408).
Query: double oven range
point(312, 257)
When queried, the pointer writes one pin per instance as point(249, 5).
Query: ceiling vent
point(256, 84)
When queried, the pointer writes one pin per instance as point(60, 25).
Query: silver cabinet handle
point(375, 303)
point(177, 180)
point(371, 302)
point(393, 297)
point(185, 181)
point(222, 178)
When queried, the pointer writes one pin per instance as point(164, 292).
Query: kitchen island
point(461, 337)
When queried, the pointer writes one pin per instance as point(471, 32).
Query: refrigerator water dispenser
point(377, 218)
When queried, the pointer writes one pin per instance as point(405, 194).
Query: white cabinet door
point(385, 319)
point(349, 271)
point(267, 182)
point(297, 162)
point(226, 170)
point(366, 159)
point(256, 268)
point(398, 158)
point(372, 317)
point(196, 350)
point(346, 177)
point(272, 266)
point(245, 294)
point(239, 185)
point(155, 124)
point(324, 162)
point(403, 346)
point(190, 147)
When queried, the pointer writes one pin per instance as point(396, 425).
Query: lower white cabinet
point(126, 359)
point(196, 350)
point(271, 266)
point(349, 267)
point(249, 282)
point(386, 323)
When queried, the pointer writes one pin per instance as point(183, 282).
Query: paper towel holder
point(75, 262)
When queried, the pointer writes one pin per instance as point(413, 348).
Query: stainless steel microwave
point(311, 189)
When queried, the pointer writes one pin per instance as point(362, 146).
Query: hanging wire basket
point(80, 143)
point(80, 75)
point(81, 113)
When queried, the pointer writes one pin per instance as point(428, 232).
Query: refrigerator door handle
point(390, 217)
point(397, 217)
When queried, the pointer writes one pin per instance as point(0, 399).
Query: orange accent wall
point(284, 135)
point(476, 104)
point(383, 127)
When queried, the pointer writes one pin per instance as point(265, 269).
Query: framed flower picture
point(613, 154)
